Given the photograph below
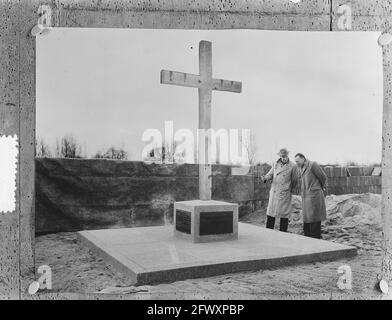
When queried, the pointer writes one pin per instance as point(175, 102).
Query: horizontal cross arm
point(227, 85)
point(180, 79)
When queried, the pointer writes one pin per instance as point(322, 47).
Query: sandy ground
point(351, 220)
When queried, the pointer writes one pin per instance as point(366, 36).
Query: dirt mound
point(349, 210)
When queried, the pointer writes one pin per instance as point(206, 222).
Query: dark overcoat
point(312, 191)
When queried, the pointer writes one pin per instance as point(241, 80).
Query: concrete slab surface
point(153, 255)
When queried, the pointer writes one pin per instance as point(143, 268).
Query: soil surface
point(352, 219)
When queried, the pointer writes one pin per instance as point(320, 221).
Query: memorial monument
point(204, 220)
point(198, 247)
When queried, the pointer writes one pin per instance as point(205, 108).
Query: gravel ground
point(76, 269)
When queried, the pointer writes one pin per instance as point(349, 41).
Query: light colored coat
point(284, 180)
point(312, 191)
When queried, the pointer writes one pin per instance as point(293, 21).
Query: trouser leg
point(270, 222)
point(312, 230)
point(284, 224)
point(315, 231)
point(306, 229)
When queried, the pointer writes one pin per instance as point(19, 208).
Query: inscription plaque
point(216, 222)
point(183, 221)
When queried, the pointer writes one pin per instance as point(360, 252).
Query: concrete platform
point(153, 255)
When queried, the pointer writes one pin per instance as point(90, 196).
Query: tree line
point(69, 147)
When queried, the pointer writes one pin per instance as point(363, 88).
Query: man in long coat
point(284, 176)
point(313, 199)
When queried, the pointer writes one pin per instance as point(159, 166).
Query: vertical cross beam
point(205, 96)
point(205, 84)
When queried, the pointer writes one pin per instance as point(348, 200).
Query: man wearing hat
point(284, 176)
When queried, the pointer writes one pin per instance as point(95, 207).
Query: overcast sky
point(319, 93)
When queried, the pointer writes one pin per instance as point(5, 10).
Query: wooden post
point(205, 96)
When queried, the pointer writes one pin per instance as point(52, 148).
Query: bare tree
point(250, 148)
point(166, 154)
point(42, 149)
point(68, 147)
point(170, 155)
point(112, 153)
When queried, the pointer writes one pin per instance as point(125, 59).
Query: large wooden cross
point(205, 83)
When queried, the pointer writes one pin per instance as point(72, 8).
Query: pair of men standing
point(285, 176)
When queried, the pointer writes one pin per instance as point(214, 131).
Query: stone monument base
point(205, 220)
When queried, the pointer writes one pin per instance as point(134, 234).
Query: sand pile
point(348, 211)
